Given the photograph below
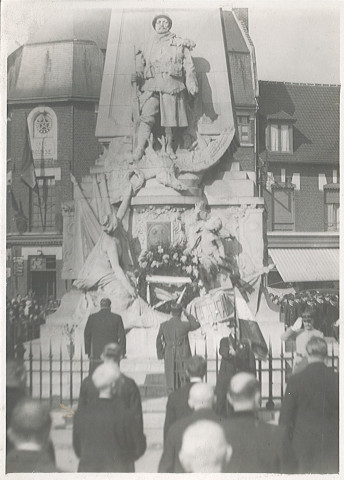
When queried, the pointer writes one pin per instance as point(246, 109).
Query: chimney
point(242, 15)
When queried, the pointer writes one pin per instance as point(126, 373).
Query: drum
point(214, 308)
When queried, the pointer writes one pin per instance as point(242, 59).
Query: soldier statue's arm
point(190, 72)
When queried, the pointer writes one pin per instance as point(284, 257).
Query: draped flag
point(28, 175)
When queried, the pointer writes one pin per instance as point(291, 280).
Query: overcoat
point(102, 328)
point(310, 411)
point(172, 344)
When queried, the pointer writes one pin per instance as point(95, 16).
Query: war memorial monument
point(166, 212)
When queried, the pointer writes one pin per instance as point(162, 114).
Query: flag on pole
point(28, 175)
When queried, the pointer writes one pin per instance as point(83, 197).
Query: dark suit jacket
point(102, 328)
point(169, 462)
point(126, 389)
point(310, 411)
point(24, 461)
point(177, 406)
point(257, 446)
point(243, 360)
point(106, 438)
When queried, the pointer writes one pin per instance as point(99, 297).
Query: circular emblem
point(43, 123)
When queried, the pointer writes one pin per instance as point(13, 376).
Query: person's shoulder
point(115, 316)
point(129, 382)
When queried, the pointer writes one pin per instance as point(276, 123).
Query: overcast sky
point(295, 41)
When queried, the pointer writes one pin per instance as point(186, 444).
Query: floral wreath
point(172, 260)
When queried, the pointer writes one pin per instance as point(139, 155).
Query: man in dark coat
point(258, 447)
point(201, 402)
point(291, 311)
point(125, 387)
point(236, 356)
point(310, 412)
point(101, 328)
point(178, 401)
point(106, 438)
point(172, 344)
point(29, 430)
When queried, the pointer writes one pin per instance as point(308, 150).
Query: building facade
point(54, 84)
point(53, 94)
point(299, 152)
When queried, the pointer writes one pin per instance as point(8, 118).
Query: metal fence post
point(71, 377)
point(40, 372)
point(270, 405)
point(30, 369)
point(61, 370)
point(282, 372)
point(50, 374)
point(206, 357)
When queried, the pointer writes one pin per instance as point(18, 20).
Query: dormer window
point(279, 133)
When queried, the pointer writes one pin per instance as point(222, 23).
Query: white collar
point(29, 446)
point(195, 380)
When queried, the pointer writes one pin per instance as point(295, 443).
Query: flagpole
point(33, 181)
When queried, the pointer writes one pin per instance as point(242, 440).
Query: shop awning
point(306, 264)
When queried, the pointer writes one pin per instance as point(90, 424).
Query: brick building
point(53, 87)
point(299, 147)
point(54, 81)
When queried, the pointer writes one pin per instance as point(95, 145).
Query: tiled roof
point(55, 71)
point(331, 186)
point(240, 62)
point(281, 115)
point(315, 108)
point(80, 24)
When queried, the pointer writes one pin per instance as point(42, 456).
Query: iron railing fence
point(58, 377)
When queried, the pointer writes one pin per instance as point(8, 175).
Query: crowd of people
point(24, 316)
point(324, 306)
point(206, 429)
point(108, 431)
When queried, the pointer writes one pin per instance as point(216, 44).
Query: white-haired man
point(106, 437)
point(204, 448)
point(201, 402)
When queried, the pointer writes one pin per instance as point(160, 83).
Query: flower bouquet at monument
point(170, 261)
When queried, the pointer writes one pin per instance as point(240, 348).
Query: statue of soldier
point(166, 71)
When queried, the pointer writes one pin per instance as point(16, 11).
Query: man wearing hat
point(302, 331)
point(101, 328)
point(172, 345)
point(166, 70)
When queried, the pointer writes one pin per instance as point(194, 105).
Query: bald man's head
point(30, 422)
point(105, 376)
point(204, 448)
point(244, 392)
point(201, 395)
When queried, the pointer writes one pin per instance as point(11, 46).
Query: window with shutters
point(332, 208)
point(280, 137)
point(283, 208)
